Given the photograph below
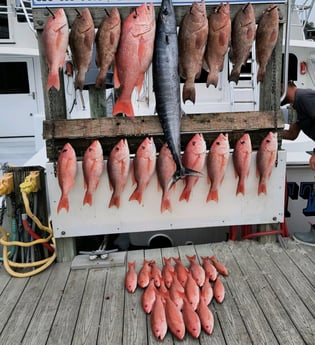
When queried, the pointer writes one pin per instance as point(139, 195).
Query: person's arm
point(291, 133)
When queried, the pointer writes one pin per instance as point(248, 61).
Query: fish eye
point(218, 143)
point(243, 142)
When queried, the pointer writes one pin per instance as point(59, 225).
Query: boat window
point(14, 78)
point(292, 68)
point(4, 23)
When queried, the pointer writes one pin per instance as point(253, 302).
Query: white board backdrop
point(197, 213)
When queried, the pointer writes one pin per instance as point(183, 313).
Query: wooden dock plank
point(66, 317)
point(47, 307)
point(252, 315)
point(113, 312)
point(86, 330)
point(22, 314)
point(135, 324)
point(289, 298)
point(302, 260)
point(279, 321)
point(4, 279)
point(294, 276)
point(9, 298)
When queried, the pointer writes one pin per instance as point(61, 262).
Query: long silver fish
point(166, 84)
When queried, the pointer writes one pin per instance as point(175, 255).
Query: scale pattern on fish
point(66, 173)
point(133, 56)
point(218, 42)
point(107, 40)
point(192, 40)
point(93, 166)
point(81, 39)
point(266, 38)
point(55, 39)
point(243, 35)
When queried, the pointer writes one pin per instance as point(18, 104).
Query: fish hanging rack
point(57, 129)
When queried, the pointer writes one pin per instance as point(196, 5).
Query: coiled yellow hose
point(5, 243)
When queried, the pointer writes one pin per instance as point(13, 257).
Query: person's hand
point(312, 161)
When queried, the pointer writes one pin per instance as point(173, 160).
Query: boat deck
point(270, 299)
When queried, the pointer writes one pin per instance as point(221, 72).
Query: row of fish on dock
point(202, 42)
point(178, 297)
point(146, 162)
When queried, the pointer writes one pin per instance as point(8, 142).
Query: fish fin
point(136, 195)
point(240, 188)
point(261, 74)
point(116, 78)
point(181, 174)
point(213, 195)
point(189, 92)
point(166, 204)
point(262, 188)
point(124, 107)
point(87, 199)
point(235, 74)
point(63, 203)
point(140, 83)
point(100, 79)
point(212, 79)
point(185, 194)
point(114, 201)
point(79, 80)
point(53, 81)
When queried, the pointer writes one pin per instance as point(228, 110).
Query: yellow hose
point(42, 263)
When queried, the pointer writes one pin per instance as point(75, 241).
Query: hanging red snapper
point(241, 159)
point(243, 35)
point(133, 56)
point(265, 160)
point(192, 40)
point(194, 158)
point(165, 169)
point(93, 166)
point(106, 40)
point(81, 41)
point(266, 38)
point(118, 168)
point(66, 173)
point(55, 38)
point(219, 38)
point(217, 160)
point(144, 165)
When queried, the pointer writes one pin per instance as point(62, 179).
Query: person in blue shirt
point(303, 101)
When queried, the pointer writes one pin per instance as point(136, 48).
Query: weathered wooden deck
point(270, 299)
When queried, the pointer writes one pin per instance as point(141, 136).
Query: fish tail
point(262, 188)
point(136, 195)
point(63, 203)
point(189, 92)
point(185, 194)
point(114, 201)
point(212, 79)
point(79, 81)
point(166, 204)
point(213, 195)
point(124, 107)
point(53, 80)
point(234, 76)
point(100, 80)
point(87, 199)
point(261, 74)
point(182, 173)
point(240, 188)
